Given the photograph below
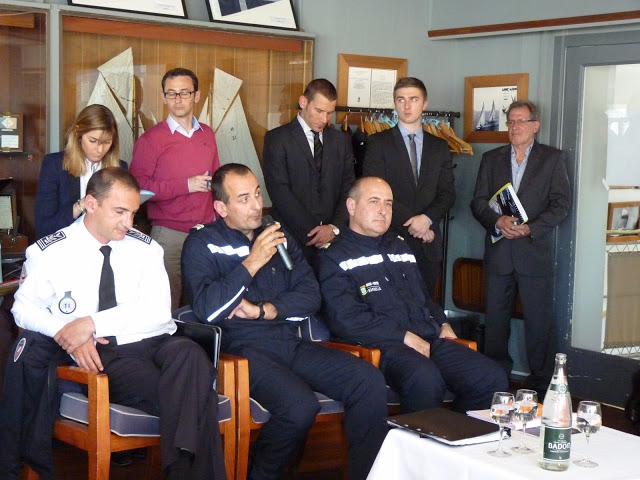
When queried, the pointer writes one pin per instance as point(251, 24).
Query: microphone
point(284, 255)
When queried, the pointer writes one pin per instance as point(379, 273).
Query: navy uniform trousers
point(284, 371)
point(422, 382)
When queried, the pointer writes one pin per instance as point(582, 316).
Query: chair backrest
point(209, 337)
point(314, 329)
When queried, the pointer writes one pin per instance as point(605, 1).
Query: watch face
point(336, 231)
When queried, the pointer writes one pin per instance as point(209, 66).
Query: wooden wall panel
point(23, 76)
point(272, 78)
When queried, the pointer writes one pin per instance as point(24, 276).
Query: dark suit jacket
point(58, 190)
point(301, 198)
point(545, 194)
point(387, 157)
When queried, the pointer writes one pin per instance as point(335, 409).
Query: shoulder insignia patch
point(19, 349)
point(138, 235)
point(44, 242)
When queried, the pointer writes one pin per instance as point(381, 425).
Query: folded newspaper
point(506, 202)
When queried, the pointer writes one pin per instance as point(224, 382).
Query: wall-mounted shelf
point(426, 113)
point(29, 155)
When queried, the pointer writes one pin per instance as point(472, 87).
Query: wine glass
point(501, 413)
point(526, 409)
point(589, 421)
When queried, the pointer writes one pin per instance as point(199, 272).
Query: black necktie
point(317, 150)
point(107, 289)
point(413, 156)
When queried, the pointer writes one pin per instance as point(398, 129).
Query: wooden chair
point(96, 438)
point(469, 289)
point(329, 414)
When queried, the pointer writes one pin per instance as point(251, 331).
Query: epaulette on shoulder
point(49, 240)
point(199, 226)
point(138, 235)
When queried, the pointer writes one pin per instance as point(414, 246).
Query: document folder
point(447, 426)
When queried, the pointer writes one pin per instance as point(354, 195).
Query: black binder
point(447, 426)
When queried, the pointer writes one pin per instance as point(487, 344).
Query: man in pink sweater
point(175, 159)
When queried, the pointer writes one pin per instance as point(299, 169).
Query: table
point(405, 455)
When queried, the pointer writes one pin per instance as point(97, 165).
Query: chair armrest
point(98, 395)
point(368, 354)
point(76, 374)
point(466, 343)
point(226, 377)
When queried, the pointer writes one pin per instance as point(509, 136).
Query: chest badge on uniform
point(370, 287)
point(67, 304)
point(19, 349)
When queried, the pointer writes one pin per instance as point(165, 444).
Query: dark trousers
point(422, 381)
point(430, 272)
point(284, 371)
point(29, 405)
point(536, 294)
point(171, 377)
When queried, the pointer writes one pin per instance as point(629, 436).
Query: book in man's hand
point(447, 426)
point(506, 202)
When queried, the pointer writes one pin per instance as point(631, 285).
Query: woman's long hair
point(92, 117)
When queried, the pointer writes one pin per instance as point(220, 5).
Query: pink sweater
point(163, 162)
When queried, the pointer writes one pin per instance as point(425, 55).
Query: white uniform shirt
point(63, 276)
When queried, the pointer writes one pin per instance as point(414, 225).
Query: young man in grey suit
point(524, 258)
point(308, 170)
point(418, 168)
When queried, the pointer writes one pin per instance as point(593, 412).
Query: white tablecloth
point(406, 456)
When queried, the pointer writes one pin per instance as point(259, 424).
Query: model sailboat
point(115, 90)
point(228, 120)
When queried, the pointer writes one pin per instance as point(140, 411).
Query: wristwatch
point(336, 230)
point(261, 314)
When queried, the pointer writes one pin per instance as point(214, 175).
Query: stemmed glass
point(526, 409)
point(501, 413)
point(589, 421)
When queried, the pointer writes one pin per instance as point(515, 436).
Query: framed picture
point(262, 13)
point(622, 222)
point(367, 82)
point(167, 8)
point(486, 100)
point(11, 132)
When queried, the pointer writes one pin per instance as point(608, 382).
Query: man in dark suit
point(523, 259)
point(418, 168)
point(308, 170)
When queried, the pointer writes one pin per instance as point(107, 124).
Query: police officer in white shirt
point(61, 305)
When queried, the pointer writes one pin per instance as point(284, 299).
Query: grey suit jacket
point(545, 194)
point(301, 198)
point(387, 157)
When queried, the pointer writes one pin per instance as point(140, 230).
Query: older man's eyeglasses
point(183, 94)
point(520, 121)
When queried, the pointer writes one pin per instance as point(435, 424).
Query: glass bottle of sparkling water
point(555, 433)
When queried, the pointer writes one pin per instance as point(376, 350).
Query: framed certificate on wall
point(11, 132)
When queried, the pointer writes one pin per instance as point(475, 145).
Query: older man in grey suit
point(523, 259)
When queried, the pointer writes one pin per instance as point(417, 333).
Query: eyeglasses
point(520, 121)
point(184, 94)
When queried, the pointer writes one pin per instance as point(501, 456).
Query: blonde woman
point(92, 144)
